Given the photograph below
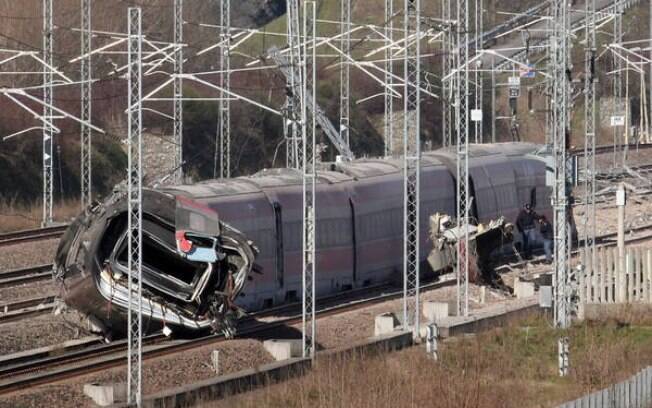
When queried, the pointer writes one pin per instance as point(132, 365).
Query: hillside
point(256, 134)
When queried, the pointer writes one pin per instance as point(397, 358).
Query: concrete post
point(215, 359)
point(620, 202)
point(637, 269)
point(582, 285)
point(595, 281)
point(610, 278)
point(648, 280)
point(629, 276)
point(602, 269)
point(645, 289)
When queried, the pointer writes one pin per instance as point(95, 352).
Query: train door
point(354, 242)
point(280, 266)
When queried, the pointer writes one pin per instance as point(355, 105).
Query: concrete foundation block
point(434, 311)
point(545, 296)
point(523, 289)
point(284, 349)
point(384, 324)
point(105, 395)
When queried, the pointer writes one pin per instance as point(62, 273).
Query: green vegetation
point(256, 134)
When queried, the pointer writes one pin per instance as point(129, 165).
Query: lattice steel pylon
point(411, 167)
point(48, 131)
point(225, 83)
point(388, 120)
point(589, 136)
point(478, 77)
point(448, 65)
point(292, 127)
point(86, 89)
point(178, 91)
point(617, 76)
point(462, 149)
point(345, 71)
point(560, 107)
point(309, 177)
point(134, 208)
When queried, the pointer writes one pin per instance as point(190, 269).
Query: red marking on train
point(194, 204)
point(184, 244)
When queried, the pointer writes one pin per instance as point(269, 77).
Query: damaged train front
point(194, 266)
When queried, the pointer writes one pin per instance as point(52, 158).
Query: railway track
point(16, 375)
point(39, 234)
point(579, 151)
point(21, 309)
point(32, 368)
point(25, 275)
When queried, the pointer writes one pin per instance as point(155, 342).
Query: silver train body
point(359, 232)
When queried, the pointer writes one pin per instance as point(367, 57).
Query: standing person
point(545, 228)
point(525, 222)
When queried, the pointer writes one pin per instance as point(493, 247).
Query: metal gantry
point(86, 90)
point(411, 167)
point(48, 117)
point(309, 176)
point(388, 120)
point(321, 118)
point(134, 210)
point(345, 71)
point(178, 91)
point(589, 136)
point(461, 88)
point(224, 119)
point(560, 109)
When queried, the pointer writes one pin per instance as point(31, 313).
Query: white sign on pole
point(476, 115)
point(617, 121)
point(514, 81)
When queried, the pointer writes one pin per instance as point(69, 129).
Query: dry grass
point(15, 217)
point(510, 367)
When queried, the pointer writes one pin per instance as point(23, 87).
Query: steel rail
point(101, 357)
point(39, 234)
point(25, 275)
point(21, 309)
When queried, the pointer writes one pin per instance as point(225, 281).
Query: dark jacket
point(546, 230)
point(525, 220)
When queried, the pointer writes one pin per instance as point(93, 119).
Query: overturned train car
point(198, 263)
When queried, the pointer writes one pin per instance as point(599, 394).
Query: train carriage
point(359, 233)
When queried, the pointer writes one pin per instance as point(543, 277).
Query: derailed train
point(203, 241)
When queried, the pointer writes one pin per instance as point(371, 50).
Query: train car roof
point(366, 168)
point(333, 173)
